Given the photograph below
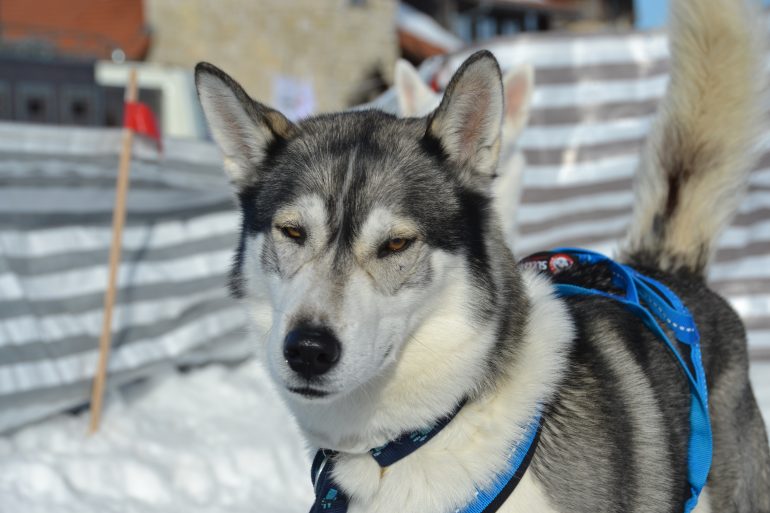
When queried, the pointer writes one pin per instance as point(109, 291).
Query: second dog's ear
point(468, 122)
point(243, 129)
point(518, 85)
point(415, 98)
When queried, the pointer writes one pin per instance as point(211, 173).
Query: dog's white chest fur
point(526, 498)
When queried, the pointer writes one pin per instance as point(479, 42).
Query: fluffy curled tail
point(695, 166)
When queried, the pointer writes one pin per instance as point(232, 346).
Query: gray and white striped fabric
point(56, 198)
point(594, 99)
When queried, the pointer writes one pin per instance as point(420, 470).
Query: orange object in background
point(82, 28)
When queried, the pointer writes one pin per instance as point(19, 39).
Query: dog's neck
point(473, 447)
point(467, 454)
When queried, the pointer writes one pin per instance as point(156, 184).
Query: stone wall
point(327, 47)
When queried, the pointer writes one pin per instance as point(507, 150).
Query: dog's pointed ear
point(243, 129)
point(518, 84)
point(415, 98)
point(468, 121)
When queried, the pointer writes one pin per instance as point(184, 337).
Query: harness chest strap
point(331, 499)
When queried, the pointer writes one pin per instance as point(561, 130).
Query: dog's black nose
point(311, 351)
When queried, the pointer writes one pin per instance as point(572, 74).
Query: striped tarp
point(56, 197)
point(594, 99)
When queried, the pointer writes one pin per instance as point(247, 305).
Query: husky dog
point(415, 98)
point(394, 296)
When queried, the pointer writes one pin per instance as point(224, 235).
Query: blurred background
point(190, 419)
point(64, 62)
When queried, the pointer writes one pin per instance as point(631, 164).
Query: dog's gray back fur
point(622, 413)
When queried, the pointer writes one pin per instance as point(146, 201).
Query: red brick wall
point(80, 27)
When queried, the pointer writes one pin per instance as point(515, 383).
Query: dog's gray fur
point(453, 316)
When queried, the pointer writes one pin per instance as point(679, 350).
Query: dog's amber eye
point(293, 232)
point(394, 245)
point(397, 244)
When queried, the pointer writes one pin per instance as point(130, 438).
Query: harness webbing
point(331, 499)
point(647, 298)
point(490, 500)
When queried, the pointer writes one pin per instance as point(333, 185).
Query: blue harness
point(647, 298)
point(642, 295)
point(330, 499)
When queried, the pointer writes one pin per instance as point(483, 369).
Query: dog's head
point(373, 235)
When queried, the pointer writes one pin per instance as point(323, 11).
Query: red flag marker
point(138, 117)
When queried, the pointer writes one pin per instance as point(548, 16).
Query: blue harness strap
point(647, 299)
point(492, 498)
point(407, 443)
point(331, 499)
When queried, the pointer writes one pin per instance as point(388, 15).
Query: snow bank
point(212, 441)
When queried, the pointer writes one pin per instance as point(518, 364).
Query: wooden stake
point(118, 220)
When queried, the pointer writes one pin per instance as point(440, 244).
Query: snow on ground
point(214, 440)
point(210, 441)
